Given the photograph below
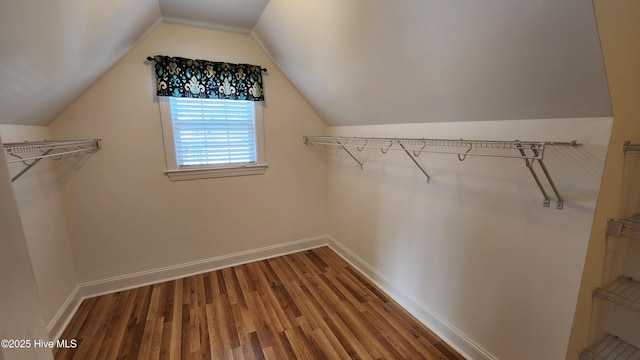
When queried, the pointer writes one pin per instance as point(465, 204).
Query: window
point(207, 138)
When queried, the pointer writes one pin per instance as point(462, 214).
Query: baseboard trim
point(444, 330)
point(142, 278)
point(64, 314)
point(118, 283)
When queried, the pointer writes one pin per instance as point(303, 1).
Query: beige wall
point(45, 225)
point(125, 216)
point(620, 37)
point(20, 308)
point(475, 246)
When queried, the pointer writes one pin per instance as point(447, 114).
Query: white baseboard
point(142, 278)
point(445, 331)
point(63, 316)
point(129, 281)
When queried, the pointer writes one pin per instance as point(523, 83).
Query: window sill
point(206, 173)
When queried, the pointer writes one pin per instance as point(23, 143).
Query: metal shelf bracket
point(537, 152)
point(628, 146)
point(412, 157)
point(628, 227)
point(343, 147)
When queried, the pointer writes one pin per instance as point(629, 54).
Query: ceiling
point(356, 62)
point(52, 51)
point(230, 15)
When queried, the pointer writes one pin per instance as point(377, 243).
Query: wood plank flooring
point(307, 305)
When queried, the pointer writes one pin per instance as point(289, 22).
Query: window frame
point(192, 172)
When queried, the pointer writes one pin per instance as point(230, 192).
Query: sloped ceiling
point(356, 61)
point(378, 61)
point(51, 51)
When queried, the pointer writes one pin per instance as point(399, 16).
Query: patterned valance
point(180, 77)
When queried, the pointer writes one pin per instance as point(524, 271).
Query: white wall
point(476, 247)
point(45, 226)
point(125, 216)
point(20, 309)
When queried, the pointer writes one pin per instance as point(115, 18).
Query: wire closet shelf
point(628, 227)
point(610, 347)
point(530, 151)
point(624, 292)
point(30, 153)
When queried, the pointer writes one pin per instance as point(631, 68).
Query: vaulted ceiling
point(356, 62)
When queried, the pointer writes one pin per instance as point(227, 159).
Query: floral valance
point(180, 77)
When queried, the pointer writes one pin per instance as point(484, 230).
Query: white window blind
point(213, 131)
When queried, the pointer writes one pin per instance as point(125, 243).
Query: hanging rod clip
point(360, 148)
point(385, 150)
point(417, 153)
point(462, 157)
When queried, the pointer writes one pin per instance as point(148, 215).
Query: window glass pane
point(213, 132)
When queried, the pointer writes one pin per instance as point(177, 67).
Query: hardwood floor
point(307, 305)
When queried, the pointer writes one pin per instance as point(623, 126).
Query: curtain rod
point(150, 58)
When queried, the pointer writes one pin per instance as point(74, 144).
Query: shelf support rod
point(341, 146)
point(415, 162)
point(546, 201)
point(29, 166)
point(560, 202)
